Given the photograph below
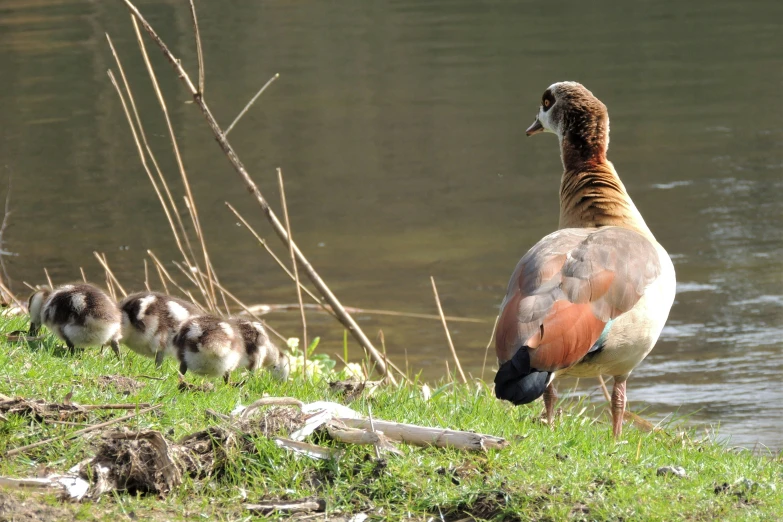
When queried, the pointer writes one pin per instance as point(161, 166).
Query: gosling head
point(578, 118)
point(35, 307)
point(281, 368)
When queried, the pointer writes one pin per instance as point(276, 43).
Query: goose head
point(35, 308)
point(579, 119)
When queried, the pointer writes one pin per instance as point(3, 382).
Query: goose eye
point(546, 104)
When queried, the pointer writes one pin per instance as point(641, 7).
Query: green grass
point(572, 472)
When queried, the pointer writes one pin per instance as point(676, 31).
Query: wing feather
point(567, 287)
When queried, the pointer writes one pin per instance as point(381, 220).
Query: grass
point(572, 472)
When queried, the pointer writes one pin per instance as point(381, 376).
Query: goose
point(81, 315)
point(150, 320)
point(591, 298)
point(260, 351)
point(209, 345)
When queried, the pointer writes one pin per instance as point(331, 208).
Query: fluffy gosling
point(80, 315)
point(208, 345)
point(150, 321)
point(260, 351)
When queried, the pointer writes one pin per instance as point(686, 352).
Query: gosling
point(260, 351)
point(150, 321)
point(209, 345)
point(81, 315)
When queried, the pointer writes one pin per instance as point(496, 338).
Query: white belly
point(210, 364)
point(93, 333)
point(633, 334)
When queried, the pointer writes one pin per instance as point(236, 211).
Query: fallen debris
point(78, 433)
point(43, 411)
point(287, 507)
point(145, 462)
point(677, 471)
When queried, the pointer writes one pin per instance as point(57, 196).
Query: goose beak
point(535, 128)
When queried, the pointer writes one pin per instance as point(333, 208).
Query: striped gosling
point(208, 345)
point(81, 315)
point(260, 351)
point(150, 321)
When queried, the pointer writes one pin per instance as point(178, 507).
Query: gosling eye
point(547, 101)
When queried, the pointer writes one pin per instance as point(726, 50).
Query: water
point(400, 130)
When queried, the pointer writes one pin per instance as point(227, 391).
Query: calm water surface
point(400, 129)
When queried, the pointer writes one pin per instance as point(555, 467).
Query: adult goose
point(591, 298)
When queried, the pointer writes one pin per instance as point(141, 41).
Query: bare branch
point(239, 167)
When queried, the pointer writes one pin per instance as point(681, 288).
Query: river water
point(399, 127)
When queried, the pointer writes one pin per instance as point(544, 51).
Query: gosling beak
point(535, 128)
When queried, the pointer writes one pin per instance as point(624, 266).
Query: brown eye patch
point(547, 100)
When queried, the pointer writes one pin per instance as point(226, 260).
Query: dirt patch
point(30, 509)
point(124, 385)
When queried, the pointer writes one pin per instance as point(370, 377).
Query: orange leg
point(550, 399)
point(618, 407)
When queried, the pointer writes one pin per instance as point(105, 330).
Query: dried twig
point(146, 276)
point(446, 329)
point(105, 264)
point(198, 49)
point(251, 102)
point(3, 226)
point(239, 167)
point(48, 279)
point(295, 270)
point(139, 138)
point(75, 434)
point(278, 260)
point(209, 293)
point(489, 343)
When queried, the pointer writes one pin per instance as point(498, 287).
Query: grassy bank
point(575, 471)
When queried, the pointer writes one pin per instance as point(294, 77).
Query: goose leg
point(115, 346)
point(550, 399)
point(226, 377)
point(618, 406)
point(159, 359)
point(69, 344)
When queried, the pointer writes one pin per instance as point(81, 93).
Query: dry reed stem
point(602, 385)
point(3, 226)
point(18, 303)
point(162, 280)
point(48, 279)
point(225, 292)
point(200, 54)
point(295, 269)
point(278, 260)
point(209, 295)
point(239, 167)
point(162, 270)
point(105, 264)
point(247, 309)
point(146, 276)
point(446, 329)
point(250, 103)
point(84, 277)
point(489, 343)
point(143, 135)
